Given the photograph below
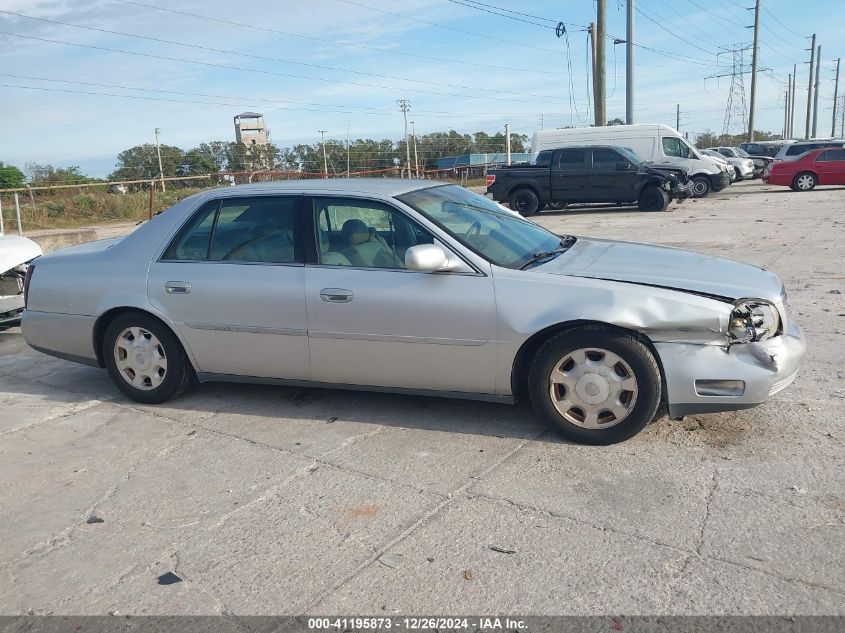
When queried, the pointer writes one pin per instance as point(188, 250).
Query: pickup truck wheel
point(145, 360)
point(556, 205)
point(525, 202)
point(804, 181)
point(595, 385)
point(701, 187)
point(653, 199)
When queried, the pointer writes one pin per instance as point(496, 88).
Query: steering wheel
point(474, 229)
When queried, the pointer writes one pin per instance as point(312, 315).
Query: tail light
point(491, 178)
point(26, 281)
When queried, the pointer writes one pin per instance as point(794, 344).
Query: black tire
point(701, 187)
point(804, 177)
point(525, 202)
point(179, 374)
point(653, 198)
point(556, 205)
point(632, 351)
point(541, 206)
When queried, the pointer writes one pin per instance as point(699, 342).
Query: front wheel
point(653, 199)
point(525, 202)
point(595, 385)
point(804, 182)
point(701, 187)
point(145, 359)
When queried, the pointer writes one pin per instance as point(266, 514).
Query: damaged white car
point(414, 286)
point(16, 252)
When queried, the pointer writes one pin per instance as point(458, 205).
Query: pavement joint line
point(420, 522)
point(73, 409)
point(689, 554)
point(64, 537)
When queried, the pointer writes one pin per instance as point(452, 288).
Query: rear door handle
point(177, 287)
point(336, 295)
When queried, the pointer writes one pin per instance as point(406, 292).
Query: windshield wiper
point(565, 244)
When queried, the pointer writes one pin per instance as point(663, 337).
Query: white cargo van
point(652, 142)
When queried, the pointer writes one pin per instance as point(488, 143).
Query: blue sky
point(338, 64)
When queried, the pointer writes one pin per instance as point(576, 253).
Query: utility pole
point(405, 105)
point(508, 141)
point(416, 158)
point(792, 105)
point(816, 93)
point(787, 106)
point(835, 100)
point(750, 136)
point(348, 172)
point(325, 161)
point(810, 87)
point(629, 65)
point(592, 31)
point(158, 151)
point(785, 111)
point(678, 117)
point(601, 39)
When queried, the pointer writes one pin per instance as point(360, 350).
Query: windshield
point(741, 152)
point(498, 235)
point(630, 155)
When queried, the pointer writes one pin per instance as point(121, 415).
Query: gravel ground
point(267, 500)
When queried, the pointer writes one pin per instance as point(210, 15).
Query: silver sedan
point(418, 287)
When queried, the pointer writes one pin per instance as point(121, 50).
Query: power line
point(448, 28)
point(790, 29)
point(526, 15)
point(261, 72)
point(323, 40)
point(503, 15)
point(670, 32)
point(263, 57)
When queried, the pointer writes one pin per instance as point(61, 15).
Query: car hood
point(665, 267)
point(16, 250)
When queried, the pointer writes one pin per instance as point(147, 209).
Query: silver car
point(419, 287)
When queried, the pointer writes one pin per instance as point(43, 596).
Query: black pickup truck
point(595, 173)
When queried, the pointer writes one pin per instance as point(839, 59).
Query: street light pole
point(158, 151)
point(405, 105)
point(325, 162)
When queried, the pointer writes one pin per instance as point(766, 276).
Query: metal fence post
point(18, 214)
point(152, 193)
point(2, 232)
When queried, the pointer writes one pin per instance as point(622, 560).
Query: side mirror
point(623, 165)
point(428, 258)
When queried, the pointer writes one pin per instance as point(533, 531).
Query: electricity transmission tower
point(736, 112)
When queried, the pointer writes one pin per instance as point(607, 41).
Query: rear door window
point(260, 229)
point(571, 159)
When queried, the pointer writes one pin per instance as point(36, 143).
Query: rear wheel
point(653, 199)
point(701, 187)
point(556, 205)
point(804, 182)
point(595, 385)
point(525, 202)
point(145, 359)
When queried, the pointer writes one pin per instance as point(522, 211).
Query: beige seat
point(367, 248)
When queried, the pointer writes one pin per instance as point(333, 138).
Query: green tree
point(141, 163)
point(10, 176)
point(48, 175)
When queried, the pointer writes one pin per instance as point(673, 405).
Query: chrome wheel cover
point(805, 182)
point(699, 187)
point(593, 388)
point(140, 359)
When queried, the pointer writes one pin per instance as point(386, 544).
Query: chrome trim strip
point(251, 329)
point(392, 338)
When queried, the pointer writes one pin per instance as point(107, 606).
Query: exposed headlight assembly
point(754, 320)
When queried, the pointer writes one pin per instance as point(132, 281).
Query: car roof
point(379, 186)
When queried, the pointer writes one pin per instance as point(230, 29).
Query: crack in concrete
point(74, 409)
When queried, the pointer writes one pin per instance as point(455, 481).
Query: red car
point(816, 167)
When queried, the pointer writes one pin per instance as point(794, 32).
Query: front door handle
point(336, 295)
point(177, 287)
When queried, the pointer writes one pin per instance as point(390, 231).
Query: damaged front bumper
point(681, 191)
point(743, 375)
